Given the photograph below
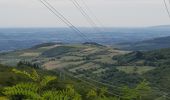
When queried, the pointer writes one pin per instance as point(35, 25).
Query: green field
point(135, 69)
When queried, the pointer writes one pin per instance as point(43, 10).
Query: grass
point(135, 69)
point(30, 54)
point(105, 59)
point(71, 58)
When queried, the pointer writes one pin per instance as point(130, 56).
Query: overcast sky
point(111, 13)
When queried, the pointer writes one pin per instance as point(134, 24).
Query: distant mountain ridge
point(20, 38)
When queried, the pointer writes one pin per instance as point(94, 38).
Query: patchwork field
point(82, 60)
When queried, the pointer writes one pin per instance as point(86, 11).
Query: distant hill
point(151, 58)
point(20, 38)
point(156, 43)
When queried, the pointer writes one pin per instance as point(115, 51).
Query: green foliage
point(34, 90)
point(54, 95)
point(25, 89)
point(99, 95)
point(137, 92)
point(41, 87)
point(92, 94)
point(160, 78)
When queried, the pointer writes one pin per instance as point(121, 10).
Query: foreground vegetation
point(28, 83)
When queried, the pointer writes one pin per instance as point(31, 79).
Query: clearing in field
point(29, 54)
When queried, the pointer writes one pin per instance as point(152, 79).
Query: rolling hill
point(97, 64)
point(156, 43)
point(152, 58)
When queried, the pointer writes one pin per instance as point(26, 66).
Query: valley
point(102, 65)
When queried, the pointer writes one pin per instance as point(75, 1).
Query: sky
point(110, 13)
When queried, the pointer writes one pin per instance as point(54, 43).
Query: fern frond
point(34, 76)
point(92, 93)
point(47, 79)
point(71, 93)
point(21, 72)
point(25, 89)
point(54, 95)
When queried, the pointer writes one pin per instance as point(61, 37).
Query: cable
point(103, 83)
point(88, 83)
point(86, 16)
point(63, 19)
point(88, 9)
point(103, 37)
point(166, 8)
point(90, 20)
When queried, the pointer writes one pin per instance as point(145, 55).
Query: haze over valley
point(20, 38)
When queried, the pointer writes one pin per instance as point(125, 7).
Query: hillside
point(88, 60)
point(96, 64)
point(151, 58)
point(156, 43)
point(159, 59)
point(51, 56)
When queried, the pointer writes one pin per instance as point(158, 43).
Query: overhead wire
point(90, 11)
point(63, 19)
point(101, 26)
point(87, 82)
point(166, 7)
point(89, 19)
point(59, 15)
point(86, 16)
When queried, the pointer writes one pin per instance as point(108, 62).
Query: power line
point(90, 11)
point(63, 19)
point(86, 16)
point(166, 8)
point(97, 20)
point(109, 85)
point(90, 20)
point(90, 84)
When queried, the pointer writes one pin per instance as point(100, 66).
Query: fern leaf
point(47, 79)
point(26, 89)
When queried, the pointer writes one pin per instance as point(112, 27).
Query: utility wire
point(90, 11)
point(89, 19)
point(97, 20)
point(63, 19)
point(109, 85)
point(166, 8)
point(86, 16)
point(87, 82)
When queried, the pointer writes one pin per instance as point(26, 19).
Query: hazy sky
point(111, 13)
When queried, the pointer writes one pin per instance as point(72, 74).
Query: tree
point(99, 95)
point(137, 92)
